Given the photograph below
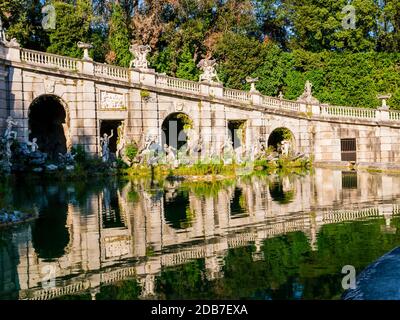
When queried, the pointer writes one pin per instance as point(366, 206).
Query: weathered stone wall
point(143, 102)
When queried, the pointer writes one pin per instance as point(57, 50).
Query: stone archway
point(278, 135)
point(49, 123)
point(173, 129)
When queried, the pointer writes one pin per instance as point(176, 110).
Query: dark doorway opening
point(173, 130)
point(236, 132)
point(48, 123)
point(278, 135)
point(106, 126)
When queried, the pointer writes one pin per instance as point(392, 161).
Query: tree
point(22, 20)
point(118, 38)
point(187, 68)
point(238, 57)
point(317, 25)
point(72, 26)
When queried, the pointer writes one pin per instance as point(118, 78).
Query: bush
point(131, 151)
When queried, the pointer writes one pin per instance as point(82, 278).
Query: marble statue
point(170, 155)
point(140, 53)
point(209, 73)
point(105, 144)
point(191, 141)
point(280, 96)
point(67, 136)
point(9, 133)
point(226, 150)
point(307, 96)
point(67, 158)
point(258, 149)
point(121, 140)
point(149, 141)
point(285, 147)
point(33, 144)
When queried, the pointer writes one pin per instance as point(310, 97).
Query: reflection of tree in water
point(125, 290)
point(184, 282)
point(9, 260)
point(282, 190)
point(177, 209)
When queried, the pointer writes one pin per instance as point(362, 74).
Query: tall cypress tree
point(118, 38)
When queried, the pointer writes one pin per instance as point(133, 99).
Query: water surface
point(261, 237)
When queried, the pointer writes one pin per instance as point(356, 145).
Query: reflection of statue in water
point(121, 140)
point(286, 184)
point(105, 146)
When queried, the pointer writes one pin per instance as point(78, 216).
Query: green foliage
point(80, 154)
point(131, 151)
point(72, 26)
point(239, 56)
point(144, 94)
point(187, 68)
point(187, 122)
point(119, 37)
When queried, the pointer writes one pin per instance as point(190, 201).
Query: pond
point(281, 236)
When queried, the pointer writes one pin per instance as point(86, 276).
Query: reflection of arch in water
point(177, 210)
point(238, 203)
point(282, 190)
point(50, 233)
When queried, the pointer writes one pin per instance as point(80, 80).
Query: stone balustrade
point(348, 112)
point(86, 67)
point(111, 72)
point(178, 84)
point(48, 60)
point(394, 115)
point(237, 95)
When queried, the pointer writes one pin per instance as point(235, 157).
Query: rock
point(37, 162)
point(37, 170)
point(70, 168)
point(51, 167)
